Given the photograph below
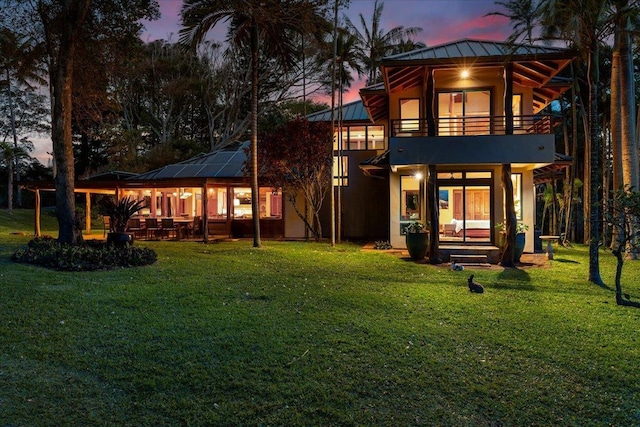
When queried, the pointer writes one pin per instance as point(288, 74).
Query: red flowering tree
point(298, 158)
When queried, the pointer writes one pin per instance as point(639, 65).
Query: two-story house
point(453, 116)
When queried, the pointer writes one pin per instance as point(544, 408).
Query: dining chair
point(168, 226)
point(151, 226)
point(134, 226)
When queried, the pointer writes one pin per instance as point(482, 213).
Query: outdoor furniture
point(167, 226)
point(193, 228)
point(134, 226)
point(106, 220)
point(549, 240)
point(181, 226)
point(151, 226)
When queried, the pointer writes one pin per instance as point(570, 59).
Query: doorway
point(465, 207)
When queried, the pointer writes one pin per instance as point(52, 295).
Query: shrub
point(92, 255)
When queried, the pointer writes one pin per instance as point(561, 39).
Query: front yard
point(306, 334)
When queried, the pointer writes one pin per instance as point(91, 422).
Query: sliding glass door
point(465, 207)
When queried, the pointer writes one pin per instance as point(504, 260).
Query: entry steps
point(469, 259)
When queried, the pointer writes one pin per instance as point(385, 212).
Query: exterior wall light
point(464, 74)
point(418, 176)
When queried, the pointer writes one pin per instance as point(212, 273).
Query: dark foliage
point(92, 255)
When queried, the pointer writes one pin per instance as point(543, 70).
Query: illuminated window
point(409, 115)
point(340, 171)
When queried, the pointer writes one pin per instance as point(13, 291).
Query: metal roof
point(351, 112)
point(469, 48)
point(226, 163)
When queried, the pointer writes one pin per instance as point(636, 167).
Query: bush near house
point(91, 255)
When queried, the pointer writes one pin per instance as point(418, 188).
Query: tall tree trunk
point(627, 106)
point(12, 161)
point(511, 220)
point(255, 189)
point(433, 207)
point(62, 50)
point(595, 177)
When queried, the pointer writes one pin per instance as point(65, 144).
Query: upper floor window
point(464, 112)
point(361, 137)
point(410, 115)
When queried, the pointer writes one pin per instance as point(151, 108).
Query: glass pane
point(375, 138)
point(340, 171)
point(410, 199)
point(357, 137)
point(241, 202)
point(516, 180)
point(476, 175)
point(410, 113)
point(477, 214)
point(449, 175)
point(517, 110)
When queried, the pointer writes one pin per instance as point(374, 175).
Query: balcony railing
point(473, 125)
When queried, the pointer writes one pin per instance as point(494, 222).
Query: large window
point(465, 112)
point(361, 137)
point(269, 202)
point(409, 115)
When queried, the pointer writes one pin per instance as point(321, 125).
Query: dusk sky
point(441, 21)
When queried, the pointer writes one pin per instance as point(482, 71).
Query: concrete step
point(469, 259)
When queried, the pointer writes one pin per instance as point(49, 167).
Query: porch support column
point(433, 207)
point(430, 111)
point(36, 230)
point(205, 213)
point(508, 99)
point(87, 212)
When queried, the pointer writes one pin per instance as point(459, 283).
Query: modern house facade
point(449, 118)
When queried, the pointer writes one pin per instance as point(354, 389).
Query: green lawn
point(305, 334)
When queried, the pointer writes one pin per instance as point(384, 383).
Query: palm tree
point(269, 25)
point(523, 14)
point(375, 44)
point(581, 23)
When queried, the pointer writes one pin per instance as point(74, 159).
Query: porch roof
point(226, 163)
point(351, 112)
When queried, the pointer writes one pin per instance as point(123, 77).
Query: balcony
point(472, 140)
point(473, 126)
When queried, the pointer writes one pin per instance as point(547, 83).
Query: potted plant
point(119, 214)
point(520, 238)
point(417, 239)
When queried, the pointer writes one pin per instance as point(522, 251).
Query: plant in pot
point(520, 238)
point(417, 239)
point(119, 213)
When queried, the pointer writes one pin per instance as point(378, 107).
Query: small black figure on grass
point(475, 286)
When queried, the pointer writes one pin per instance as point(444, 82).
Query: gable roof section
point(478, 49)
point(533, 66)
point(219, 164)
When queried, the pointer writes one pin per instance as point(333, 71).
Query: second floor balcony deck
point(473, 126)
point(473, 140)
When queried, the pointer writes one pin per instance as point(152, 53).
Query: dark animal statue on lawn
point(475, 286)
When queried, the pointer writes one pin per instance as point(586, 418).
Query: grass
point(305, 334)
